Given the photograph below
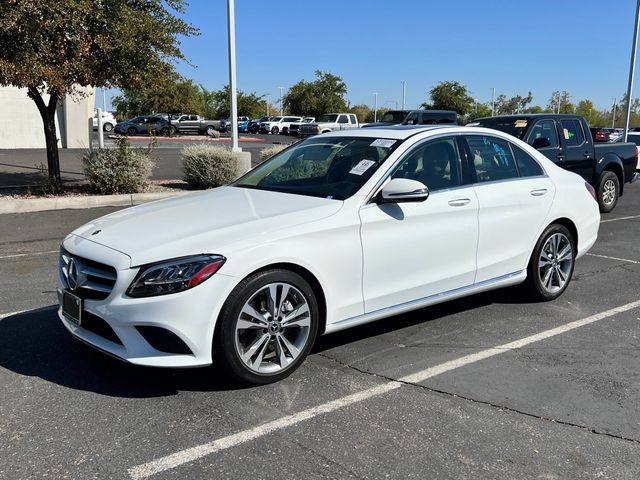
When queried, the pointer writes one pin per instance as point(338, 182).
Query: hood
point(215, 221)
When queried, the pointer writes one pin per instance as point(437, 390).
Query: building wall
point(21, 124)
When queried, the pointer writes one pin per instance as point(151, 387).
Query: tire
point(209, 130)
point(164, 131)
point(132, 131)
point(551, 265)
point(285, 131)
point(257, 350)
point(275, 130)
point(608, 191)
point(107, 127)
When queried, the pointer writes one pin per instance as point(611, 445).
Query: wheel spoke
point(283, 297)
point(557, 277)
point(293, 350)
point(256, 315)
point(544, 261)
point(273, 295)
point(260, 356)
point(547, 278)
point(293, 316)
point(562, 276)
point(254, 347)
point(282, 355)
point(247, 325)
point(565, 254)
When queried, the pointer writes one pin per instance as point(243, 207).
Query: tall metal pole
point(404, 94)
point(268, 99)
point(632, 71)
point(104, 100)
point(281, 109)
point(375, 107)
point(613, 116)
point(231, 23)
point(493, 101)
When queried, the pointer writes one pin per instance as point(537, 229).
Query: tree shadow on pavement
point(37, 344)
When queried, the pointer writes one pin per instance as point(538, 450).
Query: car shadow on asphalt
point(35, 343)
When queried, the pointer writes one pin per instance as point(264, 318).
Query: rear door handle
point(459, 202)
point(538, 192)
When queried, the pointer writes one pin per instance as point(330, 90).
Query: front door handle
point(538, 192)
point(587, 155)
point(459, 202)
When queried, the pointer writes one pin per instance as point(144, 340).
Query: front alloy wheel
point(267, 327)
point(551, 265)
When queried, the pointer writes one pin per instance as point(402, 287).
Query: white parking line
point(190, 454)
point(16, 255)
point(20, 312)
point(612, 258)
point(619, 218)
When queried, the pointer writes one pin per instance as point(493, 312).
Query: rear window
point(513, 125)
point(572, 132)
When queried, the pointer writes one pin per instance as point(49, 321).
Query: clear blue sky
point(582, 46)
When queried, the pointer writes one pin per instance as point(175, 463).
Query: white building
point(21, 124)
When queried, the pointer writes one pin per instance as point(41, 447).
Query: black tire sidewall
point(533, 277)
point(603, 178)
point(132, 131)
point(275, 130)
point(224, 349)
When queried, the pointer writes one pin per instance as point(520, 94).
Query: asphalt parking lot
point(486, 387)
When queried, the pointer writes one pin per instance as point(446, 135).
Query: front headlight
point(174, 276)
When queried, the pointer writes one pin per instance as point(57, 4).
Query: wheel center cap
point(274, 327)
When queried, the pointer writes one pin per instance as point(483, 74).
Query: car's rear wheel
point(275, 130)
point(267, 327)
point(132, 131)
point(285, 131)
point(551, 265)
point(164, 131)
point(107, 127)
point(209, 130)
point(608, 191)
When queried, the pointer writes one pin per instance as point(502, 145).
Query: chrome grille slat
point(98, 273)
point(97, 279)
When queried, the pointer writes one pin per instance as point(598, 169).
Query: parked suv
point(295, 126)
point(329, 122)
point(415, 117)
point(278, 125)
point(108, 121)
point(143, 124)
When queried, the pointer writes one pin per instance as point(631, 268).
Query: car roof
point(399, 132)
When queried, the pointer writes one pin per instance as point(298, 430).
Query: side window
point(572, 132)
point(343, 119)
point(412, 119)
point(492, 158)
point(428, 119)
point(354, 120)
point(193, 117)
point(435, 163)
point(527, 166)
point(544, 129)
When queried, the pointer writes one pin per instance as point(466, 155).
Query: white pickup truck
point(329, 122)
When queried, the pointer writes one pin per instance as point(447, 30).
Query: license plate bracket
point(72, 307)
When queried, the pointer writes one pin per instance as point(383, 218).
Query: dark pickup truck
point(566, 140)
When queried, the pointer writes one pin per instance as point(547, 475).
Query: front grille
point(94, 280)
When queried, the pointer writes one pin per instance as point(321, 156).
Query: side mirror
point(401, 190)
point(541, 142)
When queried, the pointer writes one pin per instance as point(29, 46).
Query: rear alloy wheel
point(608, 191)
point(267, 327)
point(107, 127)
point(551, 265)
point(209, 131)
point(275, 130)
point(132, 131)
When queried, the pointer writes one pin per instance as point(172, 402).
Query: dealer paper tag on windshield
point(383, 142)
point(362, 167)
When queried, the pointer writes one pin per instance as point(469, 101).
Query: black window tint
point(434, 163)
point(572, 132)
point(354, 120)
point(343, 119)
point(492, 158)
point(527, 166)
point(544, 129)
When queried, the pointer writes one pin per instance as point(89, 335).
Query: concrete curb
point(25, 205)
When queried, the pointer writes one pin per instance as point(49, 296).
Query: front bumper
point(190, 316)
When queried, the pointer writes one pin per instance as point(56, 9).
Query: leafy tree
point(559, 102)
point(51, 47)
point(323, 95)
point(587, 110)
point(249, 104)
point(480, 110)
point(513, 105)
point(450, 96)
point(371, 117)
point(362, 112)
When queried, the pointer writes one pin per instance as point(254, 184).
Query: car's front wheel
point(275, 130)
point(132, 131)
point(107, 127)
point(267, 327)
point(210, 130)
point(608, 191)
point(551, 265)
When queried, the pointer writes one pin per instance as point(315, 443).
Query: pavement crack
point(586, 428)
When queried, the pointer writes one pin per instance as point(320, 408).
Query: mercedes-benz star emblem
point(73, 276)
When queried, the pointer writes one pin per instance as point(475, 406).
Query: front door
point(416, 250)
point(578, 149)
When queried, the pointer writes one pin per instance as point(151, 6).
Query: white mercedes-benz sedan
point(332, 232)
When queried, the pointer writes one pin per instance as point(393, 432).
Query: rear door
point(578, 150)
point(547, 129)
point(514, 196)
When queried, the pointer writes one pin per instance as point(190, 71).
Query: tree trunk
point(48, 114)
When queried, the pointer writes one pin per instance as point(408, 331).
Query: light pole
point(281, 109)
point(613, 116)
point(231, 23)
point(493, 101)
point(375, 107)
point(404, 94)
point(104, 100)
point(632, 71)
point(268, 100)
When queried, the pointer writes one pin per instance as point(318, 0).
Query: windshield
point(321, 167)
point(328, 118)
point(394, 116)
point(514, 126)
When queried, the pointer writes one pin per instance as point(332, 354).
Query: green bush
point(209, 166)
point(269, 152)
point(118, 170)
